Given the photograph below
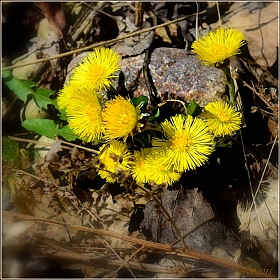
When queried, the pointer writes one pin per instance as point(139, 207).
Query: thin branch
point(250, 182)
point(168, 216)
point(99, 44)
point(127, 260)
point(35, 142)
point(219, 14)
point(171, 221)
point(174, 100)
point(80, 147)
point(193, 229)
point(196, 21)
point(263, 173)
point(117, 255)
point(254, 91)
point(33, 176)
point(50, 144)
point(167, 249)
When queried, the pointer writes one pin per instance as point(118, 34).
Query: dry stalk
point(167, 215)
point(250, 182)
point(219, 14)
point(126, 261)
point(34, 142)
point(193, 229)
point(263, 173)
point(165, 248)
point(18, 171)
point(63, 251)
point(50, 144)
point(127, 265)
point(196, 21)
point(107, 43)
point(174, 100)
point(255, 92)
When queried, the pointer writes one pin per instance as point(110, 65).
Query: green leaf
point(194, 109)
point(143, 141)
point(155, 116)
point(41, 97)
point(23, 88)
point(49, 128)
point(141, 100)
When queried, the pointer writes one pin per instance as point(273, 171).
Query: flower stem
point(150, 126)
point(231, 86)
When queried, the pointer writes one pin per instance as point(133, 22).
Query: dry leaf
point(55, 16)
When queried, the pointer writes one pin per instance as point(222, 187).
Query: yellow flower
point(83, 112)
point(215, 47)
point(158, 170)
point(188, 143)
point(97, 69)
point(114, 156)
point(65, 96)
point(120, 118)
point(139, 166)
point(221, 118)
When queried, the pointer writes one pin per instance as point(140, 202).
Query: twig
point(174, 100)
point(219, 14)
point(128, 259)
point(117, 255)
point(34, 142)
point(168, 216)
point(99, 44)
point(254, 91)
point(193, 229)
point(196, 21)
point(67, 252)
point(93, 260)
point(139, 13)
point(168, 249)
point(50, 144)
point(80, 147)
point(33, 176)
point(171, 221)
point(264, 170)
point(250, 182)
point(100, 11)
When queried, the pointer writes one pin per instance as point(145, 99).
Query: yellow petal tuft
point(120, 118)
point(221, 118)
point(97, 69)
point(216, 47)
point(188, 143)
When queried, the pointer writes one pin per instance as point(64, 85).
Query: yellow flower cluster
point(88, 115)
point(186, 142)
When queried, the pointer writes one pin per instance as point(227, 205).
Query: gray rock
point(194, 218)
point(176, 75)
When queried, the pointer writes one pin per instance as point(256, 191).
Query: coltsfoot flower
point(83, 111)
point(140, 168)
point(97, 69)
point(65, 96)
point(188, 143)
point(158, 169)
point(114, 156)
point(215, 47)
point(120, 118)
point(221, 118)
point(148, 167)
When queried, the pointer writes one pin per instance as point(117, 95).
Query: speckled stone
point(175, 75)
